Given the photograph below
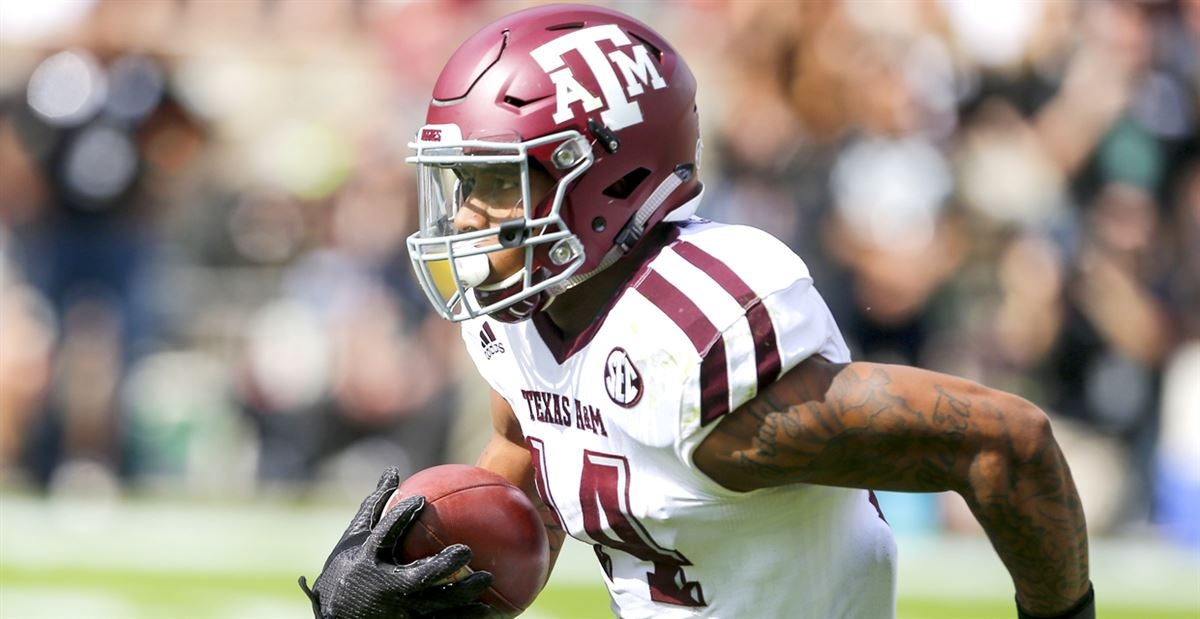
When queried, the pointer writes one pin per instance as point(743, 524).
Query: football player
point(671, 390)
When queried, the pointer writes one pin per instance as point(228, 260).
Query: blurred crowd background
point(203, 204)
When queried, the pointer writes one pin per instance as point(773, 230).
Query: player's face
point(491, 196)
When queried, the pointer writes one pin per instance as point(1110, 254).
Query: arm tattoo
point(856, 434)
point(898, 428)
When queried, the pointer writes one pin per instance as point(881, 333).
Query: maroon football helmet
point(592, 97)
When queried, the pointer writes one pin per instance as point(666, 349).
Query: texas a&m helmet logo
point(636, 71)
point(487, 339)
point(621, 379)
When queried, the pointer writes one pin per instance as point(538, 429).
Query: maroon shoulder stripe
point(714, 383)
point(679, 308)
point(714, 373)
point(766, 349)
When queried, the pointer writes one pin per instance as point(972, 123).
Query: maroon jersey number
point(537, 450)
point(604, 498)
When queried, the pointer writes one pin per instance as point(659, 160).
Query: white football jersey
point(612, 418)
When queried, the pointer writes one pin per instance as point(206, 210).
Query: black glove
point(359, 580)
point(1085, 608)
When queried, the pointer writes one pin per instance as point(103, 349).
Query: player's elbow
point(1021, 449)
point(1030, 435)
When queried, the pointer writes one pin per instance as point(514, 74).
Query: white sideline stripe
point(286, 540)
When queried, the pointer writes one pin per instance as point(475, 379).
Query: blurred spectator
point(92, 128)
point(1057, 126)
point(348, 369)
point(27, 325)
point(1085, 322)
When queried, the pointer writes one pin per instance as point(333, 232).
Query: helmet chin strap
point(633, 231)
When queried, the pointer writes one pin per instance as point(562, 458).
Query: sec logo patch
point(622, 379)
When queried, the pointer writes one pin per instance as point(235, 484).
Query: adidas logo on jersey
point(487, 339)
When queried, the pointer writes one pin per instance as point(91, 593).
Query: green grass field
point(151, 559)
point(68, 593)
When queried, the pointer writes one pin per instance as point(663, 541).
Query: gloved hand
point(359, 580)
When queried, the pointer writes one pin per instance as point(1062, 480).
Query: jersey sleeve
point(773, 335)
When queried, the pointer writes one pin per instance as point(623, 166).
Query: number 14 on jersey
point(608, 521)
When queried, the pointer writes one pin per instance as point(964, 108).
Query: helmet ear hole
point(626, 185)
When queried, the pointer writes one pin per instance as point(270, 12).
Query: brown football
point(473, 506)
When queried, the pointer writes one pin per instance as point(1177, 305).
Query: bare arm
point(507, 456)
point(889, 427)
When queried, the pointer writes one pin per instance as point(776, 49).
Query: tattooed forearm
point(1032, 514)
point(898, 428)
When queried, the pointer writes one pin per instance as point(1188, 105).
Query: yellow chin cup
point(443, 278)
point(473, 269)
